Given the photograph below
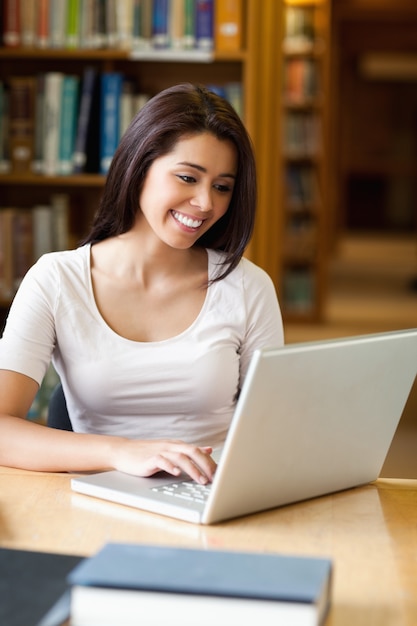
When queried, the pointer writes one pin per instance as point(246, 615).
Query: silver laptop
point(312, 418)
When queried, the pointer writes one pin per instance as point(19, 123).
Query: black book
point(33, 587)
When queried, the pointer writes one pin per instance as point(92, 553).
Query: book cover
point(30, 583)
point(110, 99)
point(68, 123)
point(204, 17)
point(219, 584)
point(228, 25)
point(52, 122)
point(21, 122)
point(86, 140)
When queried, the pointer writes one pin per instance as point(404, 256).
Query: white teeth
point(187, 221)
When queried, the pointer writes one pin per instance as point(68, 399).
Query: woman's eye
point(186, 179)
point(223, 188)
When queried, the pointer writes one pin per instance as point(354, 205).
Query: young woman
point(151, 323)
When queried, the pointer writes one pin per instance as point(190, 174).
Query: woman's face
point(187, 190)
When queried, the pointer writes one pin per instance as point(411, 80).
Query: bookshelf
point(304, 154)
point(254, 61)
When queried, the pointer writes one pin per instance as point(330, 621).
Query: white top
point(184, 387)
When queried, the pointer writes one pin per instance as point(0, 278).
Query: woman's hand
point(145, 458)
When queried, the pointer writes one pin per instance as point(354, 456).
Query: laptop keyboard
point(186, 490)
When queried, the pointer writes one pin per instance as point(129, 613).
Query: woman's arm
point(28, 445)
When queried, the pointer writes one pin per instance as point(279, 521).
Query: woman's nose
point(203, 199)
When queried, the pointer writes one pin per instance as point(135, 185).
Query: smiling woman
point(152, 322)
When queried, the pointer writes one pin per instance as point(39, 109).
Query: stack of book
point(141, 584)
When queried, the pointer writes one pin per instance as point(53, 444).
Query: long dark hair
point(179, 111)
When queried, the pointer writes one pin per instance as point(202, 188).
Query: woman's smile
point(186, 220)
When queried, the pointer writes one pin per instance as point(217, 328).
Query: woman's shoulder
point(246, 270)
point(77, 257)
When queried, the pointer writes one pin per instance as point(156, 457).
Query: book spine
point(142, 24)
point(228, 25)
point(160, 30)
point(99, 29)
point(73, 24)
point(176, 24)
point(28, 15)
point(4, 129)
point(112, 36)
point(86, 101)
point(22, 244)
point(7, 245)
point(234, 94)
point(126, 105)
point(38, 162)
point(86, 12)
point(52, 112)
point(124, 24)
point(68, 121)
point(11, 23)
point(57, 23)
point(42, 230)
point(189, 24)
point(42, 29)
point(204, 18)
point(21, 124)
point(60, 203)
point(110, 95)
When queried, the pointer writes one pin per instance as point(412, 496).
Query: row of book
point(302, 189)
point(301, 28)
point(26, 234)
point(300, 239)
point(123, 24)
point(49, 122)
point(302, 132)
point(301, 80)
point(298, 295)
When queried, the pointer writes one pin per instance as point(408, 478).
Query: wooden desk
point(369, 532)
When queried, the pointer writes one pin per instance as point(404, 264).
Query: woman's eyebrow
point(200, 168)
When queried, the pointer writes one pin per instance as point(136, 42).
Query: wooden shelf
point(115, 54)
point(306, 42)
point(81, 180)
